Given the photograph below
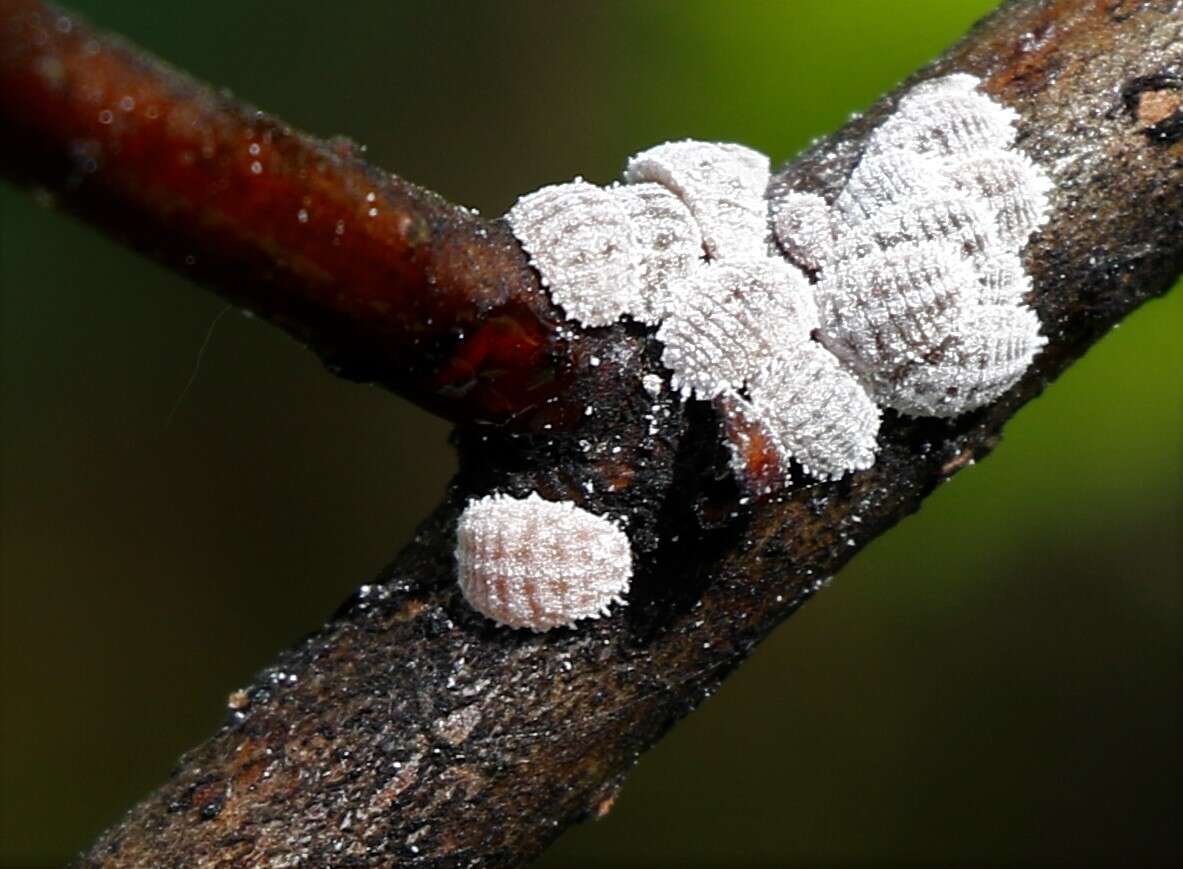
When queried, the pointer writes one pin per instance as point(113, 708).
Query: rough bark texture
point(412, 731)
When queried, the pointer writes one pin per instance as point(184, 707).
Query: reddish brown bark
point(385, 281)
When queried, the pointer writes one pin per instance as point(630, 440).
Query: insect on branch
point(411, 729)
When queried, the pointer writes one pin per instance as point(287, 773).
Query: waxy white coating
point(538, 564)
point(919, 297)
point(736, 317)
point(606, 252)
point(918, 303)
point(921, 288)
point(721, 183)
point(816, 413)
point(670, 248)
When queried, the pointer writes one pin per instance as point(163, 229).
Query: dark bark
point(411, 730)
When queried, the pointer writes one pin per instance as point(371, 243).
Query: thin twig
point(387, 282)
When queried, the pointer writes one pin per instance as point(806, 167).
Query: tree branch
point(411, 730)
point(385, 281)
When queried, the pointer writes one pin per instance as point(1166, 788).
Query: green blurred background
point(997, 680)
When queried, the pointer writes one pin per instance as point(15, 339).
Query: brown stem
point(412, 731)
point(384, 280)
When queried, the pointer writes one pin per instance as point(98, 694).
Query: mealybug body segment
point(892, 308)
point(807, 229)
point(925, 259)
point(991, 349)
point(945, 117)
point(723, 186)
point(816, 412)
point(1013, 189)
point(669, 244)
point(532, 563)
point(579, 238)
point(736, 317)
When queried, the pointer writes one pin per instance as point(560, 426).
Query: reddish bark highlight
point(385, 281)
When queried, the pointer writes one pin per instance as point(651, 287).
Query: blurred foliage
point(995, 680)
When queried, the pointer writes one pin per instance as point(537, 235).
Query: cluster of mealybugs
point(914, 300)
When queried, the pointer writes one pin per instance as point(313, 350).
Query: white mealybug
point(806, 227)
point(918, 304)
point(989, 351)
point(734, 318)
point(890, 178)
point(722, 184)
point(958, 224)
point(944, 117)
point(604, 253)
point(892, 308)
point(744, 326)
point(815, 412)
point(1013, 188)
point(919, 295)
point(669, 243)
point(579, 238)
point(532, 563)
point(921, 288)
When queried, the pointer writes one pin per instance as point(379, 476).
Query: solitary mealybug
point(532, 563)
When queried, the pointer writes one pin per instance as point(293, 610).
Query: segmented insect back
point(538, 564)
point(914, 299)
point(734, 318)
point(919, 245)
point(721, 183)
